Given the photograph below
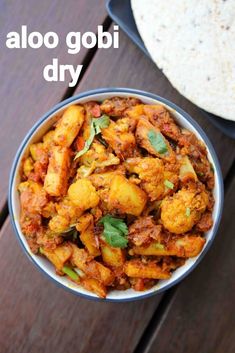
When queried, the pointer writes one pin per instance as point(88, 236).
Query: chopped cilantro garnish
point(69, 272)
point(96, 125)
point(187, 212)
point(115, 231)
point(159, 246)
point(157, 141)
point(169, 184)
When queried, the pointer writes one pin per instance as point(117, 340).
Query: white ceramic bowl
point(45, 123)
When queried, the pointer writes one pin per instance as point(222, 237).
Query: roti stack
point(193, 42)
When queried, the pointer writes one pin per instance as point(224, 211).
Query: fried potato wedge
point(138, 269)
point(188, 246)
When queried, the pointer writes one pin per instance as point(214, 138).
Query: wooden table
point(35, 315)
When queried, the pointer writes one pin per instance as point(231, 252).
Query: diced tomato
point(95, 111)
point(80, 143)
point(40, 169)
point(139, 285)
point(34, 177)
point(167, 127)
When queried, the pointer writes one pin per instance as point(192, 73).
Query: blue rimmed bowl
point(35, 135)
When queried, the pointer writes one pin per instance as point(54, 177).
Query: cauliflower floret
point(58, 224)
point(153, 176)
point(180, 212)
point(67, 214)
point(83, 194)
point(68, 210)
point(151, 173)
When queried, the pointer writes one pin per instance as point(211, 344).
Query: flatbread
point(193, 42)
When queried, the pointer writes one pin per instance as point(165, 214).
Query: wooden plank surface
point(25, 95)
point(201, 317)
point(38, 317)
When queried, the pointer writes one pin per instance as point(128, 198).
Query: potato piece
point(85, 226)
point(28, 166)
point(58, 256)
point(187, 171)
point(80, 257)
point(125, 124)
point(30, 184)
point(94, 286)
point(126, 197)
point(135, 112)
point(180, 212)
point(112, 256)
point(136, 268)
point(88, 239)
point(36, 149)
point(119, 137)
point(55, 182)
point(24, 185)
point(84, 222)
point(102, 183)
point(98, 271)
point(143, 130)
point(69, 125)
point(48, 139)
point(192, 246)
point(93, 269)
point(188, 246)
point(83, 194)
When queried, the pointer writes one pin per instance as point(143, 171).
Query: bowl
point(45, 123)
